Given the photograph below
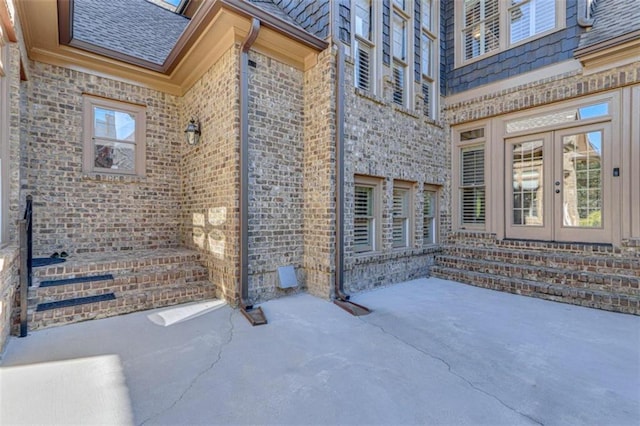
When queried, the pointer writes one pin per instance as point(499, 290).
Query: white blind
point(363, 66)
point(472, 185)
point(400, 217)
point(481, 33)
point(398, 83)
point(426, 99)
point(428, 212)
point(363, 221)
point(531, 17)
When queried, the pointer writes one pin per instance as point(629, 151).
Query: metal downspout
point(244, 161)
point(339, 248)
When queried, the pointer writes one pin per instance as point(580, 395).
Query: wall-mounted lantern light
point(192, 132)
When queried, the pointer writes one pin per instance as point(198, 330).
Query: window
point(429, 215)
point(472, 187)
point(366, 212)
point(114, 137)
point(402, 214)
point(364, 45)
point(400, 46)
point(489, 26)
point(428, 56)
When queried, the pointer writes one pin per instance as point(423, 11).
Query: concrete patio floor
point(432, 352)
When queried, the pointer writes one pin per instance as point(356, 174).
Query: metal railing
point(25, 236)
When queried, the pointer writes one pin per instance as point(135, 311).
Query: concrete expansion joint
point(199, 375)
point(450, 370)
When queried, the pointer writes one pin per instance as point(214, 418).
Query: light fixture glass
point(192, 132)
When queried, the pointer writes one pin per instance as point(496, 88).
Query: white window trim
point(505, 30)
point(435, 230)
point(434, 61)
point(139, 111)
point(375, 87)
point(409, 222)
point(460, 145)
point(376, 185)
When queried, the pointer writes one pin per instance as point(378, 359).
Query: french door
point(559, 184)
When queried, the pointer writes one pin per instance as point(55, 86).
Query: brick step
point(616, 283)
point(110, 263)
point(470, 239)
point(142, 280)
point(560, 293)
point(124, 302)
point(629, 266)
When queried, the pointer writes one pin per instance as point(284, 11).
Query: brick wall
point(209, 173)
point(392, 143)
point(319, 176)
point(9, 293)
point(276, 162)
point(9, 255)
point(80, 213)
point(559, 88)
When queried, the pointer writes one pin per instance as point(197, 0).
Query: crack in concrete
point(199, 375)
point(450, 370)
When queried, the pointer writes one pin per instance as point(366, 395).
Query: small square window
point(114, 137)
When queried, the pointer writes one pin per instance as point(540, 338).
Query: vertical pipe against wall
point(244, 161)
point(339, 171)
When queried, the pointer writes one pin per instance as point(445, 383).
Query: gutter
point(339, 136)
point(340, 297)
point(585, 18)
point(255, 316)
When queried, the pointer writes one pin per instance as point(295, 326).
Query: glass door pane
point(528, 187)
point(527, 183)
point(582, 180)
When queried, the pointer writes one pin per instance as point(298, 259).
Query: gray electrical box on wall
point(287, 277)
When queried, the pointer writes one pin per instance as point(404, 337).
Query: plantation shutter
point(399, 217)
point(363, 221)
point(428, 213)
point(472, 185)
point(481, 27)
point(363, 66)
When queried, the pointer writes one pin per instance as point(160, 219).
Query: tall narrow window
point(472, 185)
point(428, 56)
point(364, 219)
point(400, 41)
point(366, 209)
point(364, 47)
point(402, 214)
point(114, 137)
point(429, 216)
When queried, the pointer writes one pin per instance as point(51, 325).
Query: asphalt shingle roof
point(612, 18)
point(136, 28)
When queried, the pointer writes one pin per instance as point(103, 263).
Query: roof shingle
point(136, 28)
